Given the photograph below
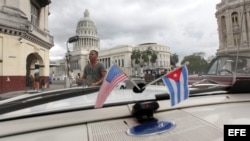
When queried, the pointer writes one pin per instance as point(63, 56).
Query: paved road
point(56, 84)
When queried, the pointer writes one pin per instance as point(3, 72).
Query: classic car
point(225, 70)
point(121, 85)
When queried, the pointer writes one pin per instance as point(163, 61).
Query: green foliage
point(153, 58)
point(136, 56)
point(146, 56)
point(196, 63)
point(174, 59)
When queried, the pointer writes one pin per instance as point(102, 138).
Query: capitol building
point(88, 39)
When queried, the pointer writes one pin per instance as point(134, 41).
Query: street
point(58, 84)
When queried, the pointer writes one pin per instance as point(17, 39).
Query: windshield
point(228, 64)
point(92, 55)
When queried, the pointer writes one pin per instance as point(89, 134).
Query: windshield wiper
point(44, 98)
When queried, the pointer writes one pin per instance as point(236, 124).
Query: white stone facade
point(233, 18)
point(121, 55)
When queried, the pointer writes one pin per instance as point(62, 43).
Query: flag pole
point(132, 81)
point(152, 82)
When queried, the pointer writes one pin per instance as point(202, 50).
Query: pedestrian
point(31, 80)
point(94, 72)
point(78, 79)
point(36, 83)
point(71, 78)
point(78, 75)
point(42, 82)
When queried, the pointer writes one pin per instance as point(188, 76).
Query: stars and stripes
point(112, 78)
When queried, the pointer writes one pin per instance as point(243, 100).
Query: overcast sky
point(186, 26)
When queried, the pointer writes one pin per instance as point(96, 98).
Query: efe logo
point(236, 132)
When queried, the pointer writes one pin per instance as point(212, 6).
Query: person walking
point(31, 81)
point(94, 72)
point(42, 83)
point(36, 83)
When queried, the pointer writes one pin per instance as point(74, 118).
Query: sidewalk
point(17, 93)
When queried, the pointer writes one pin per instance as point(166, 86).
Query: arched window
point(235, 21)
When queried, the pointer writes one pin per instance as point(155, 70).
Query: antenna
point(238, 46)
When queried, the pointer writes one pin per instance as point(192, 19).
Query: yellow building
point(24, 42)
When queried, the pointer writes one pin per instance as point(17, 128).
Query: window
point(235, 19)
point(35, 12)
point(74, 64)
point(236, 39)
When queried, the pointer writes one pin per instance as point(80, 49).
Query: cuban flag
point(177, 84)
point(112, 78)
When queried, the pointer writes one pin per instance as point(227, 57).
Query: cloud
point(186, 26)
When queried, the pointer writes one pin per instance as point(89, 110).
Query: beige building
point(24, 42)
point(233, 18)
point(121, 55)
point(86, 30)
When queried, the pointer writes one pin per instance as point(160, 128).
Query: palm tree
point(135, 57)
point(145, 58)
point(141, 57)
point(174, 59)
point(149, 56)
point(153, 58)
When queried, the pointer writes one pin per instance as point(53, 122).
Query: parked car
point(121, 85)
point(223, 70)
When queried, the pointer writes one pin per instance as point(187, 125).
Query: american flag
point(112, 78)
point(177, 84)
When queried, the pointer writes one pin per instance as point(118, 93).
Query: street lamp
point(68, 57)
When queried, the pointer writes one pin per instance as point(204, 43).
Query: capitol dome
point(87, 25)
point(87, 32)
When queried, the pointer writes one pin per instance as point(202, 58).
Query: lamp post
point(68, 57)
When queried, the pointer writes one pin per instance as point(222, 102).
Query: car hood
point(88, 100)
point(198, 118)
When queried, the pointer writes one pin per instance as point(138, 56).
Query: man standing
point(94, 72)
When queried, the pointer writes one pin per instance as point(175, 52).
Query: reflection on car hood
point(116, 96)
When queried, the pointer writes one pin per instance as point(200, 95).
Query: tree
point(153, 58)
point(174, 59)
point(135, 57)
point(141, 57)
point(149, 56)
point(196, 63)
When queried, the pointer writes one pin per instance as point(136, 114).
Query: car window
point(243, 66)
point(226, 66)
point(214, 67)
